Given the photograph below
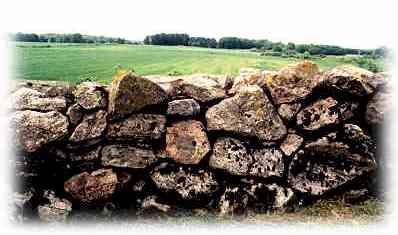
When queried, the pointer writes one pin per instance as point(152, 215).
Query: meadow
point(79, 62)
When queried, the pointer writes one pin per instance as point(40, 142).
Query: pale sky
point(356, 24)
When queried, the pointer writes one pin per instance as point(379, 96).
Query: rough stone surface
point(230, 155)
point(34, 129)
point(267, 162)
point(186, 142)
point(289, 111)
point(293, 82)
point(291, 144)
point(130, 93)
point(319, 114)
point(88, 188)
point(119, 155)
point(92, 126)
point(90, 95)
point(48, 88)
point(248, 77)
point(56, 210)
point(348, 110)
point(150, 202)
point(233, 201)
point(274, 196)
point(360, 142)
point(183, 108)
point(378, 108)
point(249, 113)
point(85, 159)
point(323, 165)
point(189, 185)
point(75, 114)
point(29, 99)
point(138, 126)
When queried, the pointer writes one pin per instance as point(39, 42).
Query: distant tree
point(290, 46)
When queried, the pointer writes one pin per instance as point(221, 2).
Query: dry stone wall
point(221, 144)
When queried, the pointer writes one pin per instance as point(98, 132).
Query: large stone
point(56, 210)
point(186, 142)
point(91, 127)
point(291, 144)
point(183, 108)
point(88, 188)
point(248, 77)
point(48, 88)
point(119, 155)
point(267, 162)
point(249, 113)
point(188, 184)
point(130, 93)
point(349, 80)
point(34, 129)
point(29, 99)
point(90, 95)
point(319, 114)
point(231, 156)
point(360, 142)
point(138, 126)
point(378, 108)
point(323, 165)
point(293, 83)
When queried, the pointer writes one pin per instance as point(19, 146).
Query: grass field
point(76, 62)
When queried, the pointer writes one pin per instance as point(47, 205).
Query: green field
point(77, 62)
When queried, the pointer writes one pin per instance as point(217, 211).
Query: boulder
point(130, 93)
point(95, 187)
point(92, 126)
point(248, 77)
point(186, 142)
point(138, 126)
point(323, 165)
point(289, 111)
point(118, 155)
point(358, 141)
point(29, 99)
point(249, 113)
point(267, 162)
point(293, 83)
point(75, 114)
point(48, 88)
point(34, 129)
point(56, 210)
point(189, 184)
point(90, 95)
point(378, 108)
point(231, 156)
point(319, 114)
point(291, 144)
point(183, 108)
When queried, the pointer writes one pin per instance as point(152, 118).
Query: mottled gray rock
point(230, 155)
point(29, 99)
point(33, 129)
point(56, 210)
point(119, 155)
point(138, 126)
point(188, 184)
point(294, 82)
point(289, 111)
point(319, 114)
point(48, 88)
point(88, 188)
point(90, 95)
point(249, 113)
point(183, 108)
point(267, 162)
point(378, 108)
point(92, 126)
point(186, 142)
point(75, 114)
point(130, 93)
point(323, 165)
point(360, 142)
point(291, 144)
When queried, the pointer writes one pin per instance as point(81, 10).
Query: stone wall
point(219, 144)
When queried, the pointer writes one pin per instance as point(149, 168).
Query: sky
point(356, 24)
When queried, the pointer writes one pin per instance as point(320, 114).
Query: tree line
point(66, 38)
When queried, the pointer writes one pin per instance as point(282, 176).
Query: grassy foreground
point(77, 62)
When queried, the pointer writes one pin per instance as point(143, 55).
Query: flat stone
point(183, 108)
point(119, 155)
point(231, 156)
point(29, 99)
point(91, 127)
point(97, 186)
point(267, 162)
point(138, 126)
point(249, 113)
point(90, 95)
point(33, 129)
point(129, 93)
point(186, 142)
point(291, 144)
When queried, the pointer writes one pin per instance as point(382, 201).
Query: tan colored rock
point(29, 99)
point(33, 129)
point(119, 155)
point(91, 127)
point(129, 93)
point(90, 95)
point(248, 77)
point(289, 111)
point(249, 113)
point(97, 186)
point(291, 144)
point(138, 126)
point(186, 142)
